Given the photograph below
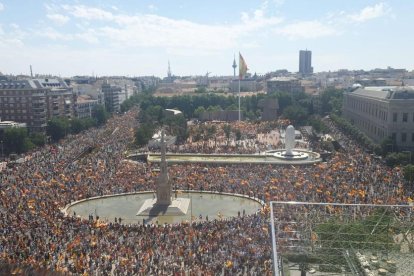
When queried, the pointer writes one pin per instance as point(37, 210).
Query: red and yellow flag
point(242, 67)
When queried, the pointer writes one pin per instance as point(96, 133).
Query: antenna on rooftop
point(234, 66)
point(31, 71)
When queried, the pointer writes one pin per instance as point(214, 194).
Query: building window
point(403, 137)
point(394, 116)
point(412, 137)
point(405, 117)
point(394, 136)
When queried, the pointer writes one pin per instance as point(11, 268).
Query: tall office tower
point(305, 62)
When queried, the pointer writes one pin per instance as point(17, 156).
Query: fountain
point(164, 205)
point(290, 153)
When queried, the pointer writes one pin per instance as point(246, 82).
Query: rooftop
point(386, 92)
point(85, 99)
point(33, 84)
point(7, 124)
point(283, 79)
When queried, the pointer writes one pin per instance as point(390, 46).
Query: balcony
point(38, 105)
point(40, 113)
point(38, 101)
point(37, 94)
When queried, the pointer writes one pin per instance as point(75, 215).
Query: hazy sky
point(138, 37)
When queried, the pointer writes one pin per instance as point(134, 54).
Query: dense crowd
point(34, 232)
point(256, 138)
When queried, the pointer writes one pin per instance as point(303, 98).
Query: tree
point(57, 128)
point(233, 107)
point(397, 158)
point(155, 113)
point(143, 135)
point(331, 101)
point(211, 131)
point(409, 173)
point(198, 111)
point(214, 108)
point(189, 104)
point(238, 134)
point(88, 123)
point(296, 114)
point(318, 125)
point(99, 114)
point(284, 100)
point(130, 102)
point(16, 140)
point(200, 90)
point(177, 125)
point(388, 145)
point(227, 132)
point(76, 125)
point(38, 139)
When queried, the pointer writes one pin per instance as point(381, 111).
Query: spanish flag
point(242, 67)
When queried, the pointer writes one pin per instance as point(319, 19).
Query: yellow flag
point(242, 67)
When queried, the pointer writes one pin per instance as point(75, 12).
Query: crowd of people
point(35, 234)
point(255, 137)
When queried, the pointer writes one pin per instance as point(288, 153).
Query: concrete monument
point(164, 204)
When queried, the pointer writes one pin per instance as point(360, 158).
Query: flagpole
point(240, 76)
point(239, 99)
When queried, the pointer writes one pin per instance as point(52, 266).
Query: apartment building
point(35, 101)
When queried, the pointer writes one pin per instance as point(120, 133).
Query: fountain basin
point(292, 155)
point(215, 205)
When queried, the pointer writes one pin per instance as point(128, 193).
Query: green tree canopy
point(409, 173)
point(199, 110)
point(38, 139)
point(100, 115)
point(331, 101)
point(200, 90)
point(57, 128)
point(227, 131)
point(16, 140)
point(177, 126)
point(296, 113)
point(143, 134)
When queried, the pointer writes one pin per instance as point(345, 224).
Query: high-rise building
point(112, 96)
point(305, 62)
